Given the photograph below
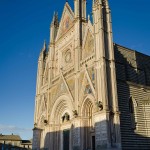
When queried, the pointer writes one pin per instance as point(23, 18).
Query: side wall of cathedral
point(133, 86)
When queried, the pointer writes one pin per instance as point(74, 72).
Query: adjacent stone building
point(14, 142)
point(91, 94)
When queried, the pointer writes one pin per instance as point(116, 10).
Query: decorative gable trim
point(67, 87)
point(86, 80)
point(66, 12)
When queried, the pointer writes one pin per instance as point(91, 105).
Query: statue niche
point(65, 117)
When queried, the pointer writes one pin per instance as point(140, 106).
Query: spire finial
point(55, 19)
point(106, 3)
point(97, 1)
point(44, 45)
point(93, 2)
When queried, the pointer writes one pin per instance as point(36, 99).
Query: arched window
point(131, 107)
point(132, 111)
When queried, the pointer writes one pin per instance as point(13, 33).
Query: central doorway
point(66, 139)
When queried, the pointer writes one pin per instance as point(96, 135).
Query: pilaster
point(36, 138)
point(76, 131)
point(78, 4)
point(102, 131)
point(105, 71)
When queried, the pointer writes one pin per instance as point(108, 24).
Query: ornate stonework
point(77, 105)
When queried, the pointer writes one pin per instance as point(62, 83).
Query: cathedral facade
point(91, 93)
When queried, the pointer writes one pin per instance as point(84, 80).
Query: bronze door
point(66, 139)
point(93, 142)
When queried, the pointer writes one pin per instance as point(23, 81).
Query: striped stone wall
point(133, 86)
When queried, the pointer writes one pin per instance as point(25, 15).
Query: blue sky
point(24, 25)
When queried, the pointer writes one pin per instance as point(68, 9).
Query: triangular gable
point(63, 88)
point(87, 86)
point(66, 20)
point(88, 41)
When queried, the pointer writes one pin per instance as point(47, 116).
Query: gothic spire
point(106, 3)
point(55, 21)
point(93, 2)
point(80, 9)
point(44, 47)
point(54, 27)
point(98, 2)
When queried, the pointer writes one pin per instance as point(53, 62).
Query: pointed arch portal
point(61, 115)
point(87, 112)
